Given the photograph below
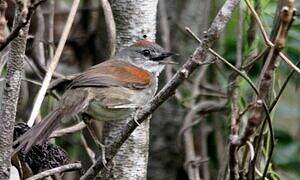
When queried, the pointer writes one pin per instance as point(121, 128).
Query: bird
point(111, 90)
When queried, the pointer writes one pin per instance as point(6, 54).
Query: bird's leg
point(88, 121)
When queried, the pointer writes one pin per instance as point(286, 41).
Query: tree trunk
point(134, 18)
point(11, 94)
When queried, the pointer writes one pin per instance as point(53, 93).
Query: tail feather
point(40, 132)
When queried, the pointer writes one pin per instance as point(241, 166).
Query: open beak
point(163, 56)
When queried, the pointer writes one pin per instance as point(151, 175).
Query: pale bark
point(134, 18)
point(11, 94)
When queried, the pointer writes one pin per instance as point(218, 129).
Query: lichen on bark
point(11, 94)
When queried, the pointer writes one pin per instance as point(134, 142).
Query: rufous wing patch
point(113, 73)
point(138, 75)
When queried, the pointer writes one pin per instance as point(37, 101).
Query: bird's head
point(145, 54)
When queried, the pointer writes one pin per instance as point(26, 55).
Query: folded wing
point(113, 73)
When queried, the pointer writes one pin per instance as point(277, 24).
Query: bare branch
point(88, 150)
point(110, 27)
point(49, 27)
point(60, 169)
point(265, 35)
point(282, 22)
point(260, 103)
point(289, 62)
point(69, 130)
point(272, 106)
point(190, 154)
point(3, 21)
point(21, 24)
point(165, 33)
point(54, 62)
point(233, 92)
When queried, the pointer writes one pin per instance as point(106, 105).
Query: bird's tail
point(40, 132)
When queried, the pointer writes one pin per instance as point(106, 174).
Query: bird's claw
point(135, 118)
point(102, 147)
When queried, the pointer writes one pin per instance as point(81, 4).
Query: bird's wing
point(113, 73)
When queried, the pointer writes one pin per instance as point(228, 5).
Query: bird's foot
point(102, 148)
point(92, 132)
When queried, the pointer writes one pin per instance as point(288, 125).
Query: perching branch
point(194, 62)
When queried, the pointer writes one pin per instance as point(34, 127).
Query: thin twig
point(243, 139)
point(88, 150)
point(16, 30)
point(165, 33)
point(189, 147)
point(260, 24)
point(43, 70)
point(110, 27)
point(186, 132)
point(260, 174)
point(38, 45)
point(251, 150)
point(212, 88)
point(60, 169)
point(242, 74)
point(49, 28)
point(216, 95)
point(251, 33)
point(253, 60)
point(273, 104)
point(3, 61)
point(32, 81)
point(266, 69)
point(233, 93)
point(33, 67)
point(69, 130)
point(54, 62)
point(184, 128)
point(289, 62)
point(285, 17)
point(267, 40)
point(244, 112)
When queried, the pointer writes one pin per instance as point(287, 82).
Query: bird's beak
point(167, 54)
point(160, 58)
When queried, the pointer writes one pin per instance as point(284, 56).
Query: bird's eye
point(146, 52)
